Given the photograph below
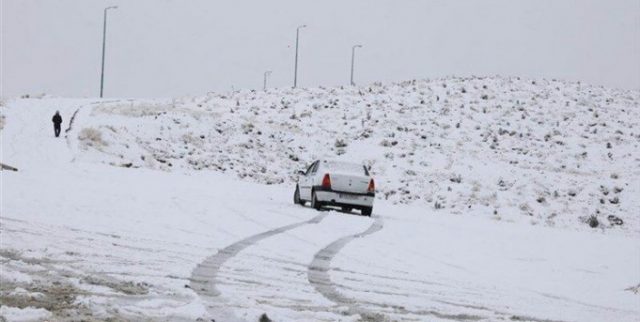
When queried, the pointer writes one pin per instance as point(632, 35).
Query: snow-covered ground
point(181, 210)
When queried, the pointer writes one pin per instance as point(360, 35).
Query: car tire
point(296, 197)
point(366, 211)
point(315, 204)
point(347, 209)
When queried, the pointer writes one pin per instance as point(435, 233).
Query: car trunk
point(349, 182)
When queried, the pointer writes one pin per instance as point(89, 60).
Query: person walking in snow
point(57, 120)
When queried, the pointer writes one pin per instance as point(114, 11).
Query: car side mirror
point(300, 172)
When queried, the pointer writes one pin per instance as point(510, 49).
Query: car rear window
point(346, 167)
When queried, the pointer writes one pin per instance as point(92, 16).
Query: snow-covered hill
point(549, 151)
point(158, 210)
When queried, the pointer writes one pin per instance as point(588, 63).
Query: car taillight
point(372, 186)
point(326, 181)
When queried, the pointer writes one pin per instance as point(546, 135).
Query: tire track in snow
point(318, 273)
point(203, 277)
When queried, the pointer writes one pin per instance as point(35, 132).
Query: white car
point(334, 183)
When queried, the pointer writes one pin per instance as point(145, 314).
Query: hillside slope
point(552, 151)
point(170, 233)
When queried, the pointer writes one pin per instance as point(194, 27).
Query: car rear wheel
point(367, 211)
point(296, 196)
point(315, 204)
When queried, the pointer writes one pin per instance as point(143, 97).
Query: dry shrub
point(91, 137)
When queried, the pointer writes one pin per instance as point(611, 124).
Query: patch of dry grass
point(91, 137)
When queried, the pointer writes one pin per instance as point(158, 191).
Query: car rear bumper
point(343, 199)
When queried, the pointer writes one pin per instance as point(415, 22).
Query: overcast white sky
point(162, 48)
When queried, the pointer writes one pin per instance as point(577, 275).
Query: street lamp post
point(266, 74)
point(104, 41)
point(353, 58)
point(295, 73)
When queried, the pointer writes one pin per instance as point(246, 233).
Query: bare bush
point(593, 221)
point(340, 143)
point(91, 137)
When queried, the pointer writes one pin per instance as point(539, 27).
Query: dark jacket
point(57, 119)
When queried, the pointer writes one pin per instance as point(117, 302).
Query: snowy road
point(86, 240)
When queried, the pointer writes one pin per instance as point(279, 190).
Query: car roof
point(340, 162)
point(344, 166)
